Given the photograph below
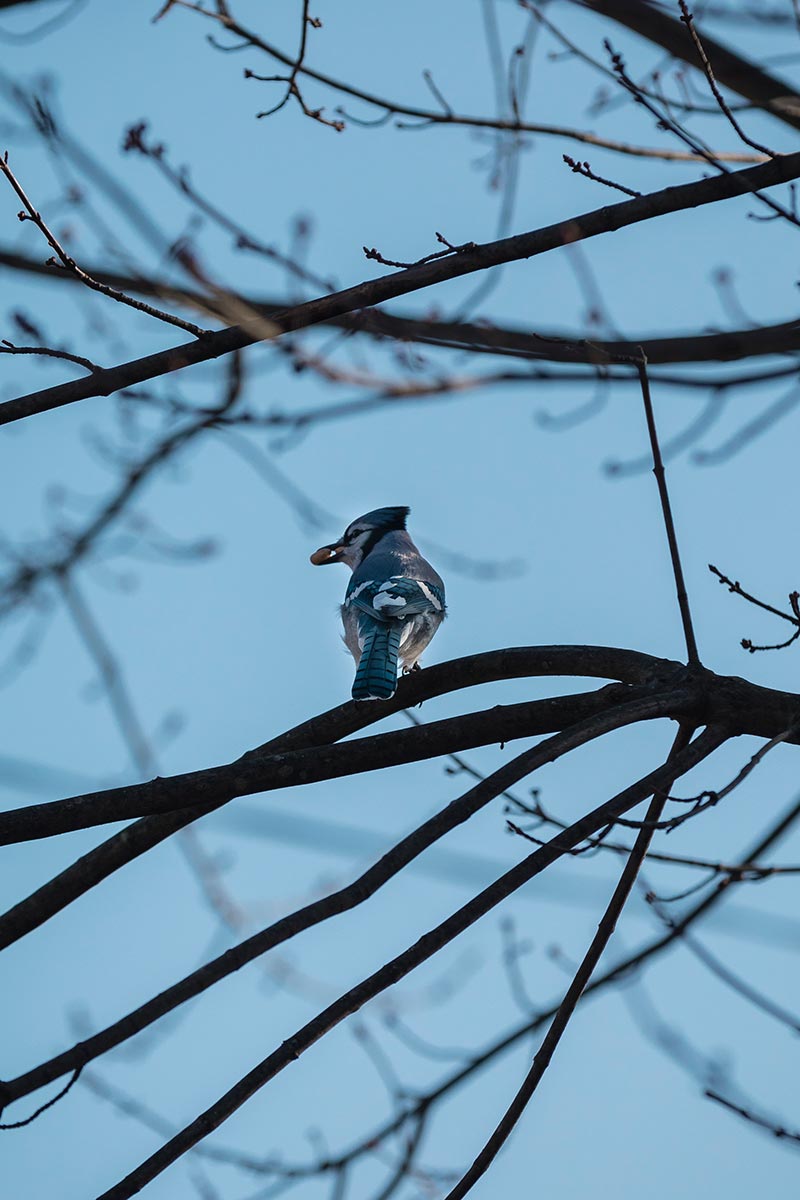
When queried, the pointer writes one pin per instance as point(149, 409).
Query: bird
point(394, 603)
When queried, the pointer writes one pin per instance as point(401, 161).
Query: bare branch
point(669, 524)
point(256, 772)
point(329, 727)
point(735, 72)
point(400, 966)
point(775, 1128)
point(688, 21)
point(68, 262)
point(576, 988)
point(335, 904)
point(486, 337)
point(427, 116)
point(623, 969)
point(364, 295)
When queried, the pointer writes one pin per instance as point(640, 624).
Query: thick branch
point(338, 902)
point(735, 72)
point(723, 346)
point(257, 772)
point(395, 970)
point(588, 661)
point(702, 696)
point(377, 291)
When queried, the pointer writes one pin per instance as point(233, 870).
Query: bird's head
point(361, 537)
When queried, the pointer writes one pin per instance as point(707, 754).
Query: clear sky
point(222, 651)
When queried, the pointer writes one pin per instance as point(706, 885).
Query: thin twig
point(735, 587)
point(7, 347)
point(688, 21)
point(435, 116)
point(574, 992)
point(69, 263)
point(583, 168)
point(42, 1107)
point(778, 1131)
point(666, 509)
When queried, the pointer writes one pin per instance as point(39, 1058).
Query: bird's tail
point(376, 677)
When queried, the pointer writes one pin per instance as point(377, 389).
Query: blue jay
point(394, 601)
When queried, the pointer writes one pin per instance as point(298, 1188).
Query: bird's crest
point(384, 518)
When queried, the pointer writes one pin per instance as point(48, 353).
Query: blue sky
point(231, 649)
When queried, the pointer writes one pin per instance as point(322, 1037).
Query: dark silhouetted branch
point(587, 662)
point(333, 905)
point(401, 283)
point(256, 772)
point(623, 969)
point(576, 988)
point(723, 346)
point(733, 71)
point(669, 523)
point(389, 974)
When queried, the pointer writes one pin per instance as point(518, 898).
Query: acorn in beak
point(327, 554)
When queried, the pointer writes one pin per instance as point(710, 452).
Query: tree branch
point(666, 510)
point(576, 988)
point(621, 969)
point(587, 662)
point(338, 902)
point(735, 72)
point(702, 695)
point(257, 772)
point(426, 116)
point(429, 944)
point(553, 346)
point(400, 283)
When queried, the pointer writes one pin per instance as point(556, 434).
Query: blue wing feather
point(386, 612)
point(395, 599)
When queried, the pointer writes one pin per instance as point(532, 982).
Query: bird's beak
point(327, 554)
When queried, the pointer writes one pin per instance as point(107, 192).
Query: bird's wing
point(395, 599)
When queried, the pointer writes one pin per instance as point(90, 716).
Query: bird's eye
point(354, 533)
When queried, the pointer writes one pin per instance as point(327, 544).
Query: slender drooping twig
point(777, 1131)
point(68, 262)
